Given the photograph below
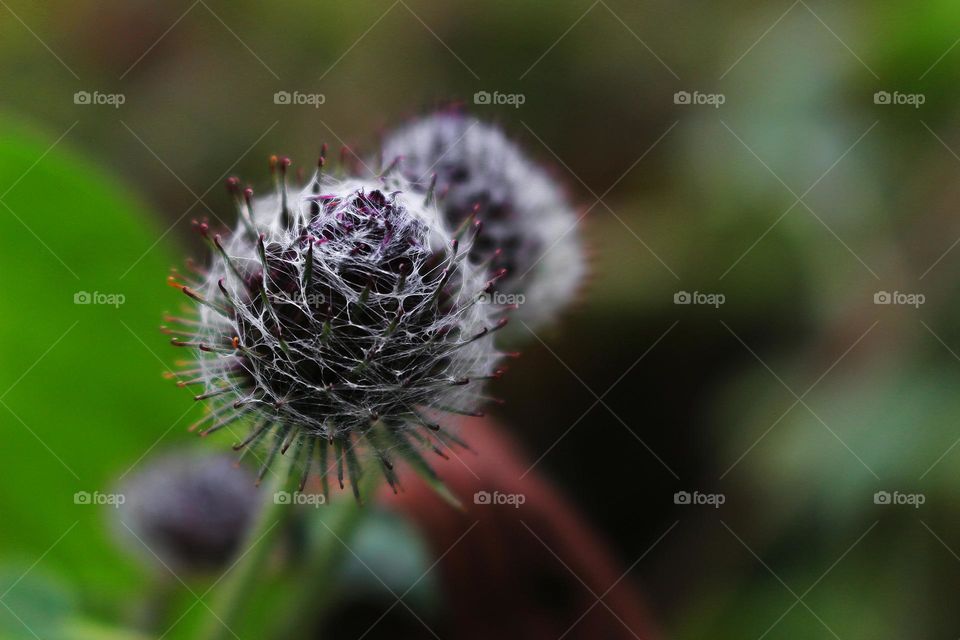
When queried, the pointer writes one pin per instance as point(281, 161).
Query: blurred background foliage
point(798, 199)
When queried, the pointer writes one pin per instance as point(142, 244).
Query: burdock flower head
point(187, 510)
point(343, 321)
point(530, 229)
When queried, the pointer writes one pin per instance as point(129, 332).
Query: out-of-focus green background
point(799, 199)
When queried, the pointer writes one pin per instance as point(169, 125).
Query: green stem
point(154, 608)
point(233, 592)
point(333, 530)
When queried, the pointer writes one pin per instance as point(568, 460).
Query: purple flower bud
point(529, 227)
point(341, 322)
point(186, 511)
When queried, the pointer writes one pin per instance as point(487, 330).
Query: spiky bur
point(187, 510)
point(530, 229)
point(342, 323)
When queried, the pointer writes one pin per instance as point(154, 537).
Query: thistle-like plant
point(530, 228)
point(187, 511)
point(342, 322)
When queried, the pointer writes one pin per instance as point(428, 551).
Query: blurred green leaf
point(34, 605)
point(81, 399)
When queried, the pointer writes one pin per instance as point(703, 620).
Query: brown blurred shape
point(533, 571)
